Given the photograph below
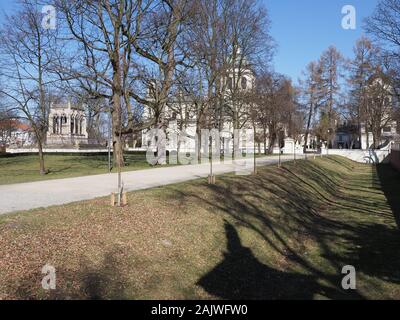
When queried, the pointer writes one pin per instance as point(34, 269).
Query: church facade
point(180, 121)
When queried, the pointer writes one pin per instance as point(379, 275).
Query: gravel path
point(25, 196)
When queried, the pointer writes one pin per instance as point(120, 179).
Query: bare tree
point(192, 89)
point(295, 116)
point(332, 64)
point(125, 44)
point(361, 69)
point(275, 104)
point(27, 50)
point(104, 32)
point(380, 110)
point(230, 38)
point(164, 47)
point(249, 43)
point(209, 55)
point(384, 24)
point(313, 93)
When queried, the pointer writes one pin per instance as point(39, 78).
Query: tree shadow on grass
point(290, 213)
point(374, 252)
point(390, 183)
point(59, 170)
point(242, 276)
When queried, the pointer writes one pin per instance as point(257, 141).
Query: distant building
point(388, 135)
point(180, 122)
point(67, 126)
point(15, 133)
point(348, 134)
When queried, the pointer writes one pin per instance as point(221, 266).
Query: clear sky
point(7, 5)
point(303, 29)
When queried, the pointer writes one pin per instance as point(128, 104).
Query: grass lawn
point(25, 168)
point(282, 234)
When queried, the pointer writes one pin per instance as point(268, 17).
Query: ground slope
point(282, 234)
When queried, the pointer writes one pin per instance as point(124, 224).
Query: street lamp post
point(109, 141)
point(327, 143)
point(279, 157)
point(211, 178)
point(254, 150)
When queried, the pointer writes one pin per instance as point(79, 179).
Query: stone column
point(68, 125)
point(84, 129)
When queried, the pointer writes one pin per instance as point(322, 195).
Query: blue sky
point(303, 29)
point(7, 5)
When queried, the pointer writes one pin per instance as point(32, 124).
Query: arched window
point(72, 124)
point(244, 83)
point(76, 124)
point(55, 124)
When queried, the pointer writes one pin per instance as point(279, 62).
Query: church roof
point(67, 106)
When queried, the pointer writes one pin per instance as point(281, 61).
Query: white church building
point(180, 119)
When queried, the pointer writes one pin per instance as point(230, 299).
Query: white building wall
point(59, 133)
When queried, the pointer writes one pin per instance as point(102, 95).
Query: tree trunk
point(308, 128)
point(236, 127)
point(272, 139)
point(265, 140)
point(42, 168)
point(359, 125)
point(199, 141)
point(116, 115)
point(118, 151)
point(376, 138)
point(117, 141)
